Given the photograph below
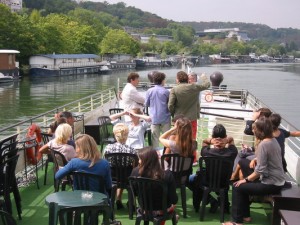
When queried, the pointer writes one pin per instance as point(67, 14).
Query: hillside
point(119, 15)
point(255, 31)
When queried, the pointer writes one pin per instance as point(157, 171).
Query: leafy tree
point(92, 19)
point(118, 41)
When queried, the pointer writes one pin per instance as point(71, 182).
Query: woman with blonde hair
point(137, 126)
point(89, 161)
point(60, 143)
point(120, 131)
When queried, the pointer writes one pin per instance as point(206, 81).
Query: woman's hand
point(238, 183)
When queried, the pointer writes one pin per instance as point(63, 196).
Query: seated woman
point(88, 160)
point(62, 117)
point(60, 143)
point(218, 145)
point(120, 131)
point(179, 138)
point(137, 127)
point(245, 160)
point(149, 167)
point(280, 135)
point(269, 170)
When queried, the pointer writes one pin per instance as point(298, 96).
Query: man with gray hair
point(192, 77)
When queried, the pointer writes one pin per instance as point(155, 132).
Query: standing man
point(157, 99)
point(184, 98)
point(192, 77)
point(131, 98)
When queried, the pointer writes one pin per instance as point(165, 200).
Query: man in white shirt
point(131, 98)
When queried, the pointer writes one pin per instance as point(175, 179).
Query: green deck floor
point(35, 211)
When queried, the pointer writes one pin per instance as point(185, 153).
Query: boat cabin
point(54, 61)
point(8, 64)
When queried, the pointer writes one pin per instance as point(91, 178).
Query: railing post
point(79, 107)
point(92, 103)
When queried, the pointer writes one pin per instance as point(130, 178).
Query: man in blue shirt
point(157, 99)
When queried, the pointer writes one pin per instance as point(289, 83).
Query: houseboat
point(115, 61)
point(64, 64)
point(149, 60)
point(9, 67)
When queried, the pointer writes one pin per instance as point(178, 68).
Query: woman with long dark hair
point(179, 138)
point(149, 167)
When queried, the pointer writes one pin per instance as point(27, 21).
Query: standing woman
point(179, 138)
point(88, 160)
point(269, 170)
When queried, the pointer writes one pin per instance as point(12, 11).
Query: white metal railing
point(79, 107)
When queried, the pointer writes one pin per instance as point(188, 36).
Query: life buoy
point(32, 158)
point(208, 97)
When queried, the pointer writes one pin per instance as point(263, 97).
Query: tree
point(118, 41)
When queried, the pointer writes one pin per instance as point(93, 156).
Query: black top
point(248, 128)
point(231, 151)
point(169, 179)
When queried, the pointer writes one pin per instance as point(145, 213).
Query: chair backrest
point(85, 215)
point(8, 150)
point(8, 140)
point(147, 192)
point(217, 171)
point(180, 166)
point(46, 137)
point(6, 218)
point(7, 178)
point(88, 182)
point(121, 165)
point(104, 122)
point(59, 159)
point(115, 110)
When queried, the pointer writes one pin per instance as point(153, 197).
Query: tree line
point(65, 27)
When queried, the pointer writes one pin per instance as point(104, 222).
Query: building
point(14, 5)
point(8, 64)
point(229, 33)
point(144, 38)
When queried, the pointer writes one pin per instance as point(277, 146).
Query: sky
point(274, 13)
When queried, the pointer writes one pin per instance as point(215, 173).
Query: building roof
point(8, 51)
point(70, 56)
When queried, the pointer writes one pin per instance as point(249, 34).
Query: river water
point(277, 85)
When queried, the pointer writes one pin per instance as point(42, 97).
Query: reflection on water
point(276, 84)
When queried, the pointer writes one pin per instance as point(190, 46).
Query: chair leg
point(203, 205)
point(174, 222)
point(222, 204)
point(112, 199)
point(17, 198)
point(46, 170)
point(138, 220)
point(130, 202)
point(183, 199)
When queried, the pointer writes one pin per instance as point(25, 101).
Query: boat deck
point(35, 211)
